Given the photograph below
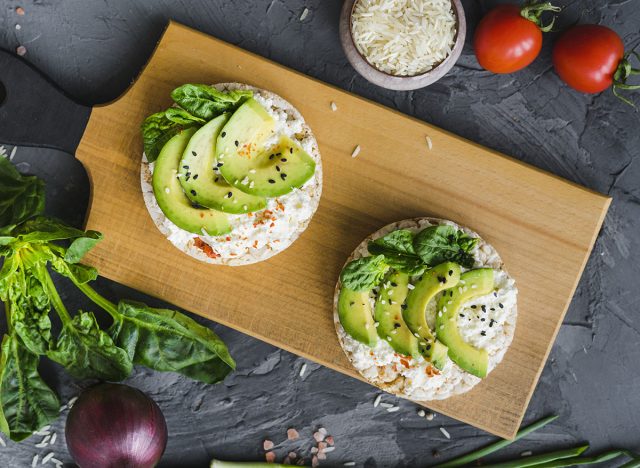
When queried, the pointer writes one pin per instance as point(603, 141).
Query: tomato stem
point(622, 73)
point(533, 11)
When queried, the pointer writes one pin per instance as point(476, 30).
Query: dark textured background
point(93, 49)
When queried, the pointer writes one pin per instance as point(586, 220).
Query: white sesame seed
point(421, 413)
point(304, 14)
point(376, 402)
point(527, 453)
point(252, 171)
point(429, 143)
point(334, 107)
point(47, 457)
point(474, 286)
point(393, 409)
point(410, 286)
point(204, 232)
point(388, 338)
point(34, 461)
point(303, 369)
point(445, 433)
point(356, 151)
point(376, 324)
point(349, 463)
point(383, 302)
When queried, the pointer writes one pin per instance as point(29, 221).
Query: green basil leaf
point(26, 401)
point(166, 340)
point(443, 243)
point(81, 245)
point(21, 197)
point(207, 102)
point(157, 130)
point(411, 265)
point(364, 273)
point(88, 352)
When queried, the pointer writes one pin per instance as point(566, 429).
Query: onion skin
point(114, 425)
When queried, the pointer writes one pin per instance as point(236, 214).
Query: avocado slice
point(201, 180)
point(439, 278)
point(388, 314)
point(472, 284)
point(253, 168)
point(172, 200)
point(356, 316)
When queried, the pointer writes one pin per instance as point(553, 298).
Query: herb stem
point(7, 313)
point(489, 449)
point(232, 464)
point(58, 305)
point(97, 299)
point(574, 461)
point(538, 460)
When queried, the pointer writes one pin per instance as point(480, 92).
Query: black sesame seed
point(491, 322)
point(291, 150)
point(492, 309)
point(229, 194)
point(495, 294)
point(278, 168)
point(450, 272)
point(223, 134)
point(403, 306)
point(396, 325)
point(428, 347)
point(283, 159)
point(185, 167)
point(462, 315)
point(278, 154)
point(395, 285)
point(216, 179)
point(483, 333)
point(483, 319)
point(500, 305)
point(451, 293)
point(484, 308)
point(271, 156)
point(193, 192)
point(219, 164)
point(474, 306)
point(351, 303)
point(195, 177)
point(271, 181)
point(283, 176)
point(237, 143)
point(442, 279)
point(194, 153)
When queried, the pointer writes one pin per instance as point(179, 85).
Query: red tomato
point(505, 41)
point(587, 56)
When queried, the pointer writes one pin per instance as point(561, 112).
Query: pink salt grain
point(267, 445)
point(329, 440)
point(270, 457)
point(314, 461)
point(318, 436)
point(292, 434)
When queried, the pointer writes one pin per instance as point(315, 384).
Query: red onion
point(115, 425)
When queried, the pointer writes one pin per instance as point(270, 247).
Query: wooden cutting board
point(544, 227)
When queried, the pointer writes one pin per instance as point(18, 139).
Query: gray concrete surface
point(94, 48)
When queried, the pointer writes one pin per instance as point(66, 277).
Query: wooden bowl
point(395, 82)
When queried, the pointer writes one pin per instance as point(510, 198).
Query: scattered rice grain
point(445, 433)
point(304, 14)
point(356, 151)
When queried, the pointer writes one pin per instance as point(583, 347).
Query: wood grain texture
point(544, 227)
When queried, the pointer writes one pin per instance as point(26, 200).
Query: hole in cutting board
point(3, 93)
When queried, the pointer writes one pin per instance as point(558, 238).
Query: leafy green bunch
point(197, 104)
point(410, 253)
point(32, 248)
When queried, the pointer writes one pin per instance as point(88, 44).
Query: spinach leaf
point(409, 264)
point(207, 102)
point(81, 245)
point(158, 129)
point(443, 243)
point(364, 273)
point(182, 117)
point(166, 340)
point(400, 241)
point(88, 352)
point(42, 230)
point(21, 197)
point(26, 401)
point(29, 311)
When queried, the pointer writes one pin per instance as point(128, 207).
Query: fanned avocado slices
point(388, 313)
point(171, 198)
point(472, 284)
point(441, 277)
point(251, 166)
point(200, 177)
point(356, 316)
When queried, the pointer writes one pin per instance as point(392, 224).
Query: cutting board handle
point(34, 111)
